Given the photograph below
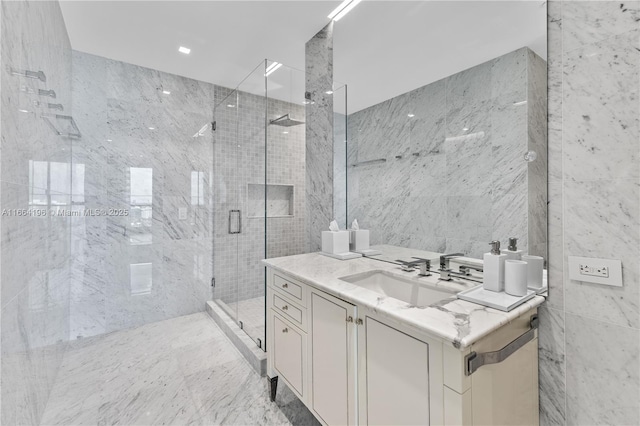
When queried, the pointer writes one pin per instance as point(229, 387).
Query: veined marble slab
point(457, 321)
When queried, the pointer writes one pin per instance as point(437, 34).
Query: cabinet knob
point(285, 285)
point(359, 321)
point(349, 318)
point(286, 330)
point(285, 307)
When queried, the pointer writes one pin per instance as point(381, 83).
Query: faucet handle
point(407, 266)
point(425, 266)
point(422, 260)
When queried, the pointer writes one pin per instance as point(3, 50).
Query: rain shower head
point(285, 121)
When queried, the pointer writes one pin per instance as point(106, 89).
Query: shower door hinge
point(213, 281)
point(241, 325)
point(213, 126)
point(259, 341)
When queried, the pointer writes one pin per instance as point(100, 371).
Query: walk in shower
point(259, 185)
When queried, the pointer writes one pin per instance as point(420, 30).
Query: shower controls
point(49, 93)
point(38, 75)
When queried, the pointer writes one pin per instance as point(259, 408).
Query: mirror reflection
point(447, 145)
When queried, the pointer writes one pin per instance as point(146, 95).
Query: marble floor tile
point(179, 371)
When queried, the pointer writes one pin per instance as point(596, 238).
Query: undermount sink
point(410, 291)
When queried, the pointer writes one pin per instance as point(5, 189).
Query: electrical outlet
point(182, 213)
point(597, 271)
point(594, 271)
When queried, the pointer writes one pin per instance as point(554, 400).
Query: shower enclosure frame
point(236, 123)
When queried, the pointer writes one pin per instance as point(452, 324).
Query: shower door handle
point(238, 227)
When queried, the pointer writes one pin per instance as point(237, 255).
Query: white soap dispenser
point(512, 251)
point(493, 269)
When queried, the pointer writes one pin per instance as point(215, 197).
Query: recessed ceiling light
point(184, 50)
point(231, 106)
point(344, 8)
point(109, 140)
point(152, 128)
point(411, 115)
point(272, 68)
point(285, 132)
point(166, 92)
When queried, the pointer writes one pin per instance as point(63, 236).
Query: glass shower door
point(226, 198)
point(259, 148)
point(251, 104)
point(239, 170)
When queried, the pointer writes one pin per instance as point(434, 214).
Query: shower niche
point(276, 201)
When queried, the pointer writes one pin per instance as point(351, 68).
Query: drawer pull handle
point(285, 307)
point(286, 330)
point(349, 318)
point(285, 285)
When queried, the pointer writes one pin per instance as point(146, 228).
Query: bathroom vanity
point(364, 342)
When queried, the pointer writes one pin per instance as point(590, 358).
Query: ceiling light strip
point(344, 8)
point(272, 68)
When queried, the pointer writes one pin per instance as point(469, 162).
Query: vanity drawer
point(289, 287)
point(287, 309)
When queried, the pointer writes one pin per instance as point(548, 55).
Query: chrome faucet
point(444, 259)
point(409, 266)
point(446, 274)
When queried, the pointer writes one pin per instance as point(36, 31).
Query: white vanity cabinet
point(350, 366)
point(394, 377)
point(332, 361)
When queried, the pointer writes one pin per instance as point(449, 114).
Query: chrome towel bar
point(474, 360)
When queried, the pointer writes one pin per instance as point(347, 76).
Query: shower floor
point(179, 371)
point(250, 312)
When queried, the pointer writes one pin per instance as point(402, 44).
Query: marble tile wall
point(590, 334)
point(35, 175)
point(340, 167)
point(138, 154)
point(442, 167)
point(319, 135)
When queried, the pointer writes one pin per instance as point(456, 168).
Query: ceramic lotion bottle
point(512, 251)
point(493, 270)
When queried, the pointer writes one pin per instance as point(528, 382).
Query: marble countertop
point(457, 321)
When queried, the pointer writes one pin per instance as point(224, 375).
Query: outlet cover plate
point(593, 270)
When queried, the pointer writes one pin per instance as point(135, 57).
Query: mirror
point(447, 137)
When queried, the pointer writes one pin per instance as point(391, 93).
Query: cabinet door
point(333, 377)
point(288, 353)
point(397, 376)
